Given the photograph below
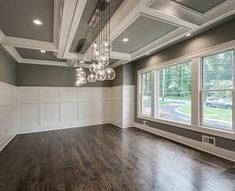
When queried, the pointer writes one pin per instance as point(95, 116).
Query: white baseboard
point(223, 153)
point(37, 129)
point(7, 140)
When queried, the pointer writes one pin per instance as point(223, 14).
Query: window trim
point(196, 117)
point(202, 91)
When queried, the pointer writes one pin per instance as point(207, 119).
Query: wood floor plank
point(105, 157)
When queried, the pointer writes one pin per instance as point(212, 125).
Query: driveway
point(170, 112)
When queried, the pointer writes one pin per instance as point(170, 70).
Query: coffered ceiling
point(149, 25)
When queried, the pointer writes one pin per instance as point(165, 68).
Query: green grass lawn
point(210, 112)
point(186, 97)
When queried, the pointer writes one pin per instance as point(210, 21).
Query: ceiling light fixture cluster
point(100, 50)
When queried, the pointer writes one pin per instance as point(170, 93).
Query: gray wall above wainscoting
point(7, 68)
point(54, 76)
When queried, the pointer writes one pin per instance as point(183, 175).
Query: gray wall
point(56, 76)
point(124, 75)
point(220, 34)
point(7, 68)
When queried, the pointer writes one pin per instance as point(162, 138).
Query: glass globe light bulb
point(83, 80)
point(106, 43)
point(101, 75)
point(98, 68)
point(81, 74)
point(77, 70)
point(78, 83)
point(92, 67)
point(91, 78)
point(95, 45)
point(110, 74)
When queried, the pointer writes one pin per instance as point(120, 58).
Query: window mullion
point(195, 92)
point(152, 94)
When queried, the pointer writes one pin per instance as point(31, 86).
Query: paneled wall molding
point(122, 105)
point(223, 153)
point(51, 108)
point(8, 113)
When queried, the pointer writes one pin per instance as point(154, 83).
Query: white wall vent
point(208, 140)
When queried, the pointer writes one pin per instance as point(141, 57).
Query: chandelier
point(100, 49)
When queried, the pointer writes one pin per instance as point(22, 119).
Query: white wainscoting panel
point(51, 108)
point(8, 113)
point(122, 105)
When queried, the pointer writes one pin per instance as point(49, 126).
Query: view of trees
point(175, 80)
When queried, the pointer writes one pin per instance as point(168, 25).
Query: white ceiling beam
point(57, 19)
point(28, 43)
point(67, 18)
point(75, 23)
point(168, 18)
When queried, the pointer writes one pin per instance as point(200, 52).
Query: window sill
point(201, 129)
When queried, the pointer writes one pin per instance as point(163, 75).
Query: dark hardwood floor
point(108, 158)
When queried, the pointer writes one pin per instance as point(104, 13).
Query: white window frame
point(196, 117)
point(202, 91)
point(139, 96)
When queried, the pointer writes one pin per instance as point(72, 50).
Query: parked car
point(218, 102)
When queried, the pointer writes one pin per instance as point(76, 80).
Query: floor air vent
point(208, 140)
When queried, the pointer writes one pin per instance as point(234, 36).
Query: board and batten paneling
point(50, 108)
point(8, 113)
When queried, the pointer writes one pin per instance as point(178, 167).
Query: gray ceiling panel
point(36, 54)
point(200, 6)
point(140, 33)
point(16, 18)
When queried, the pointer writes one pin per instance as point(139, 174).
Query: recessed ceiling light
point(37, 22)
point(189, 34)
point(147, 53)
point(125, 40)
point(42, 51)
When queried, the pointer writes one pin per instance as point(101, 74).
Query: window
point(174, 93)
point(146, 93)
point(217, 86)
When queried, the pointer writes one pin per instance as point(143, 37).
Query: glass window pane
point(174, 93)
point(217, 109)
point(146, 93)
point(218, 71)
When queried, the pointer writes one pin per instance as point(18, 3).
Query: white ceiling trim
point(120, 55)
point(28, 43)
point(43, 62)
point(168, 18)
point(119, 63)
point(12, 51)
point(219, 12)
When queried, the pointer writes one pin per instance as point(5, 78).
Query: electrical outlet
point(145, 123)
point(208, 140)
